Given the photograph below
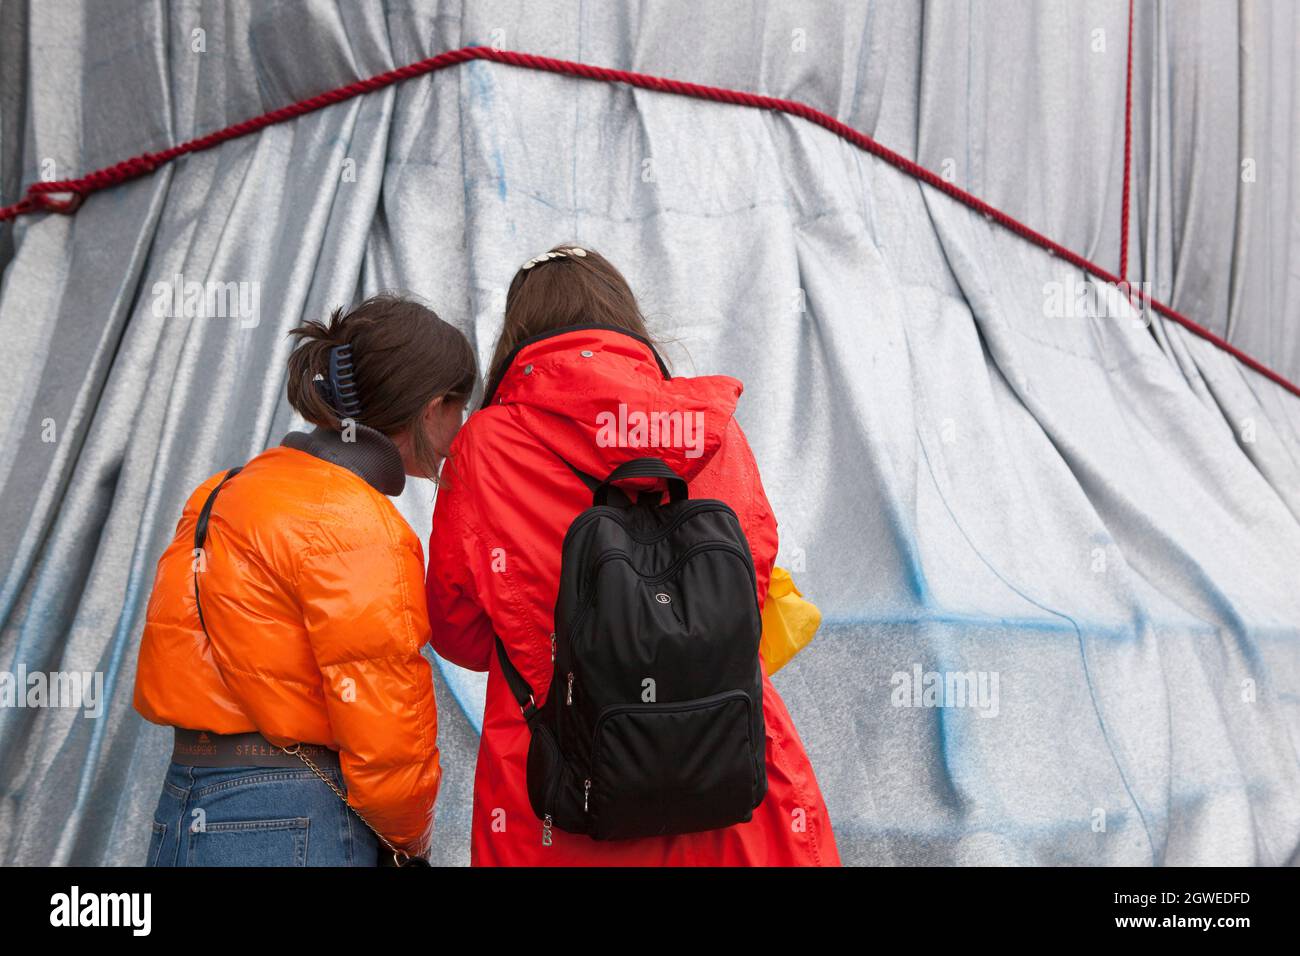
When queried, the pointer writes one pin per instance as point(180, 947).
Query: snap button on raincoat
point(312, 598)
point(504, 504)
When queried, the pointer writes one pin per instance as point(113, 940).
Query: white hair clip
point(556, 254)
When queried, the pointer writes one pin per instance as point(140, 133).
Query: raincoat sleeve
point(758, 520)
point(462, 630)
point(366, 622)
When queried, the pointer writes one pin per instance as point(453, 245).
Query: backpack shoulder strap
point(594, 484)
point(591, 483)
point(523, 694)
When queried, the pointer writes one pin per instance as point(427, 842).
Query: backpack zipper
point(552, 795)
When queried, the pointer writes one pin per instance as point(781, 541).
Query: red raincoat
point(507, 499)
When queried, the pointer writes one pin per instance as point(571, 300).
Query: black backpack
point(654, 719)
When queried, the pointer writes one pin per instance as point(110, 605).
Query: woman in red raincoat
point(574, 346)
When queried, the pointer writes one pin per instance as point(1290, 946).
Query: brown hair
point(403, 357)
point(561, 292)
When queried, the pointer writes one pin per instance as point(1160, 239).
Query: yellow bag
point(789, 622)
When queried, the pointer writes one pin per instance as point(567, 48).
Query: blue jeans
point(256, 816)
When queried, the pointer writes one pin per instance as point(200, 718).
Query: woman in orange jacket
point(283, 635)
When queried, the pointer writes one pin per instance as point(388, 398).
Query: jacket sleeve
point(367, 622)
point(462, 631)
point(759, 523)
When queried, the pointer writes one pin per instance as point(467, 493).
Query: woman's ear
point(431, 411)
point(442, 418)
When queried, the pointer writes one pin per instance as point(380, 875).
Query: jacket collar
point(372, 456)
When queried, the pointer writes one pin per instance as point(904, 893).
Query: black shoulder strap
point(523, 694)
point(593, 485)
point(201, 537)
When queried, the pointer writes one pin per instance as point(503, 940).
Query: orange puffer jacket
point(313, 600)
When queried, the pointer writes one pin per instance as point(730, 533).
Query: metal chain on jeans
point(399, 856)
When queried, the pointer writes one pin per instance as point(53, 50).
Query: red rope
point(1128, 151)
point(41, 196)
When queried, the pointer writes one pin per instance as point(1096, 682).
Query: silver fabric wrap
point(1099, 515)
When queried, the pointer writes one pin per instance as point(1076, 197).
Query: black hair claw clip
point(340, 389)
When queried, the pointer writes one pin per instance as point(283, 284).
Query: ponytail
point(402, 357)
point(310, 359)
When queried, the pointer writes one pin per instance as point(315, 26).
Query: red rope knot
point(38, 200)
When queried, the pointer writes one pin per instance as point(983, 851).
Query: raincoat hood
point(597, 396)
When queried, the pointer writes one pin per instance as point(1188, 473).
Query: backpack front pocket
point(668, 768)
